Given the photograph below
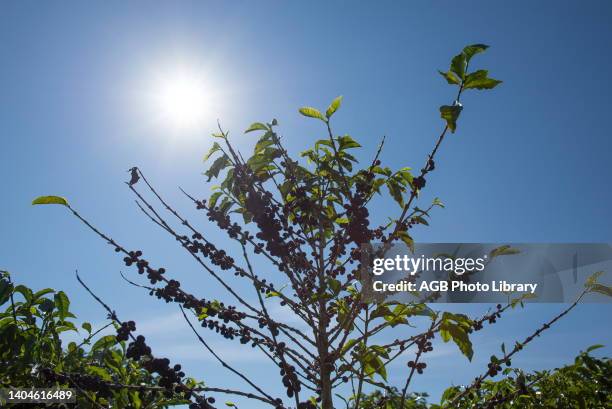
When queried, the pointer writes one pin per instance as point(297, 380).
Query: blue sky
point(529, 163)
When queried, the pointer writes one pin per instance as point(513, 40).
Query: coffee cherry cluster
point(203, 404)
point(358, 227)
point(477, 325)
point(217, 257)
point(424, 345)
point(273, 225)
point(419, 366)
point(494, 368)
point(172, 292)
point(138, 348)
point(418, 182)
point(290, 379)
point(135, 257)
point(123, 332)
point(83, 381)
point(169, 377)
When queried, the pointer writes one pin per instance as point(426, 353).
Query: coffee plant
point(296, 227)
point(100, 367)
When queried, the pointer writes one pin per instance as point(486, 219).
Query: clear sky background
point(530, 161)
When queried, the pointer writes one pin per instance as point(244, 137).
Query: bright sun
point(182, 100)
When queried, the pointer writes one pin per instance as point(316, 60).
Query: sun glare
point(182, 100)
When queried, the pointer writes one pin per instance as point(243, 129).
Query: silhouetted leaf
point(6, 289)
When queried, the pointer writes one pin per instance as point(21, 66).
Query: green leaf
point(593, 348)
point(214, 148)
point(601, 289)
point(46, 305)
point(25, 291)
point(264, 142)
point(472, 50)
point(459, 337)
point(346, 142)
point(407, 239)
point(6, 289)
point(348, 345)
point(480, 80)
point(505, 250)
point(135, 398)
point(256, 126)
point(396, 191)
point(420, 220)
point(335, 285)
point(450, 113)
point(450, 77)
point(312, 113)
point(86, 326)
point(459, 65)
point(398, 315)
point(333, 107)
point(220, 163)
point(50, 200)
point(592, 279)
point(230, 404)
point(39, 294)
point(100, 372)
point(342, 220)
point(66, 326)
point(437, 202)
point(226, 205)
point(212, 201)
point(105, 342)
point(62, 303)
point(380, 311)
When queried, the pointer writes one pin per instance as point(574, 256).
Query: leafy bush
point(32, 353)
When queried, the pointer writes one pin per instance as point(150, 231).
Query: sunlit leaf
point(601, 289)
point(214, 148)
point(86, 326)
point(480, 80)
point(450, 113)
point(472, 50)
point(450, 77)
point(458, 65)
point(312, 113)
point(219, 164)
point(346, 142)
point(62, 303)
point(333, 107)
point(105, 342)
point(50, 200)
point(256, 126)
